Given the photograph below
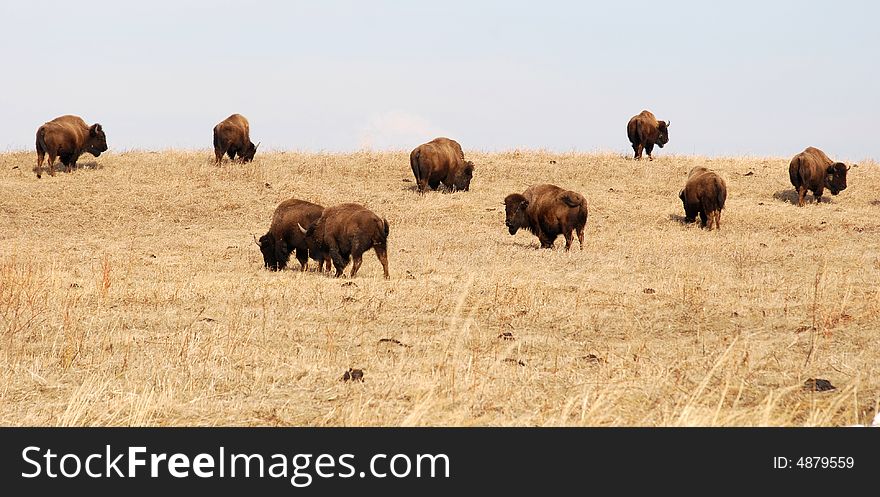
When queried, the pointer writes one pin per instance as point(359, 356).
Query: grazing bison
point(284, 235)
point(441, 161)
point(68, 137)
point(233, 136)
point(547, 211)
point(645, 131)
point(813, 170)
point(704, 193)
point(347, 231)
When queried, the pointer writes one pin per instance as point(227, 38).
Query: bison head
point(688, 217)
point(515, 212)
point(662, 133)
point(462, 180)
point(316, 251)
point(249, 152)
point(97, 141)
point(835, 177)
point(275, 252)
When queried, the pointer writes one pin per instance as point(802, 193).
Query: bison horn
point(668, 123)
point(301, 228)
point(255, 239)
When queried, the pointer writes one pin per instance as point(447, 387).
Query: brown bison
point(645, 131)
point(346, 231)
point(233, 136)
point(813, 170)
point(284, 235)
point(68, 137)
point(704, 193)
point(441, 160)
point(547, 211)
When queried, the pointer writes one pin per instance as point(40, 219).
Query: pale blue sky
point(755, 78)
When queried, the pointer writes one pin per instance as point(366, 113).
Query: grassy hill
point(132, 293)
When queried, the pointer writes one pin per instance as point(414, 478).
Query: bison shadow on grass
point(790, 196)
point(414, 188)
point(678, 218)
point(530, 245)
point(90, 165)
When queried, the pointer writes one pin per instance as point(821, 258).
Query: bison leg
point(357, 260)
point(423, 185)
point(649, 147)
point(580, 232)
point(218, 155)
point(711, 220)
point(718, 219)
point(302, 255)
point(703, 219)
point(326, 263)
point(51, 164)
point(338, 261)
point(817, 194)
point(231, 154)
point(546, 241)
point(67, 160)
point(637, 148)
point(802, 193)
point(434, 184)
point(41, 156)
point(568, 239)
point(382, 254)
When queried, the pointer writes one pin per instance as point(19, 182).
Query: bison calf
point(233, 136)
point(547, 211)
point(67, 137)
point(441, 160)
point(644, 131)
point(346, 231)
point(704, 193)
point(284, 235)
point(813, 170)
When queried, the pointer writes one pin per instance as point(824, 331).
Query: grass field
point(132, 293)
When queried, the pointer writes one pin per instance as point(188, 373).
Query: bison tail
point(41, 134)
point(414, 164)
point(721, 193)
point(794, 171)
point(380, 238)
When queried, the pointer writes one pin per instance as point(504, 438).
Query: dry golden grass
point(131, 293)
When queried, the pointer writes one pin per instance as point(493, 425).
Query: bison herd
point(342, 233)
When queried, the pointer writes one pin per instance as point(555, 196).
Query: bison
point(547, 211)
point(346, 231)
point(68, 137)
point(813, 170)
point(441, 161)
point(284, 236)
point(645, 131)
point(704, 193)
point(233, 136)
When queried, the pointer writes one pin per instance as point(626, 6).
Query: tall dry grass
point(131, 293)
